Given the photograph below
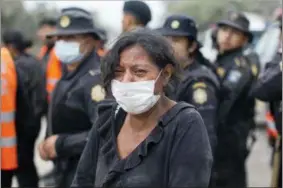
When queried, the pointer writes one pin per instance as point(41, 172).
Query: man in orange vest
point(10, 94)
point(50, 63)
point(30, 108)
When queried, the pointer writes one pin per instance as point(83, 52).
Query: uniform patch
point(199, 84)
point(65, 21)
point(280, 64)
point(200, 96)
point(220, 72)
point(254, 70)
point(234, 76)
point(98, 93)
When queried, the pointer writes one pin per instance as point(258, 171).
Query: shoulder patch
point(254, 70)
point(234, 76)
point(199, 84)
point(200, 96)
point(98, 93)
point(221, 72)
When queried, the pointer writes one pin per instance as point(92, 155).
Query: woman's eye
point(140, 72)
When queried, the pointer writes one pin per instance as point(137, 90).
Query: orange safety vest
point(53, 73)
point(8, 107)
point(53, 70)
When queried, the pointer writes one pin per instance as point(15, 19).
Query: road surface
point(258, 163)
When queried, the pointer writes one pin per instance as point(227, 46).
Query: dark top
point(269, 89)
point(200, 88)
point(236, 79)
point(72, 108)
point(177, 152)
point(33, 95)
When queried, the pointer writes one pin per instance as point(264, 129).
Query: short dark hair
point(157, 48)
point(47, 21)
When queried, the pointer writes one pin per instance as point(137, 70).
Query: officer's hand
point(42, 152)
point(49, 146)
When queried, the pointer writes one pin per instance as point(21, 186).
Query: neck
point(148, 119)
point(186, 62)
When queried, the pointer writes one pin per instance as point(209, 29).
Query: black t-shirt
point(176, 153)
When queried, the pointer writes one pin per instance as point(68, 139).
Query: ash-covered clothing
point(176, 153)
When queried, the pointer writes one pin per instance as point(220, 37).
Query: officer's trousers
point(229, 173)
point(6, 178)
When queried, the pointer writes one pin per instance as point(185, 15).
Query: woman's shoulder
point(106, 106)
point(187, 116)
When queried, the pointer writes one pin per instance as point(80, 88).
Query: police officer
point(269, 89)
point(135, 14)
point(72, 106)
point(29, 109)
point(200, 85)
point(236, 108)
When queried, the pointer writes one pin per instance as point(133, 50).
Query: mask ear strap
point(158, 75)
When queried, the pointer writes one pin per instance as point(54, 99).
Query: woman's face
point(135, 65)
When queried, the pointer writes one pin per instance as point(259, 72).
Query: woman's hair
point(157, 48)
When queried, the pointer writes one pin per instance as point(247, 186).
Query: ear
point(167, 73)
point(193, 47)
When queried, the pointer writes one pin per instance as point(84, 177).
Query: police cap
point(237, 21)
point(138, 9)
point(73, 21)
point(179, 25)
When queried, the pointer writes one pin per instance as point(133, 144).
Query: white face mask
point(68, 52)
point(135, 97)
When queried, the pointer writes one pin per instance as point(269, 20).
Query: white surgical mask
point(68, 52)
point(135, 97)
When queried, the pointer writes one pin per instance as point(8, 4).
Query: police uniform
point(72, 107)
point(236, 110)
point(269, 89)
point(199, 85)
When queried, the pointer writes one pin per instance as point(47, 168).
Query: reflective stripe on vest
point(7, 117)
point(8, 142)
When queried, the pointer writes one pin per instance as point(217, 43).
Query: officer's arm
point(269, 85)
point(237, 79)
point(73, 144)
point(203, 95)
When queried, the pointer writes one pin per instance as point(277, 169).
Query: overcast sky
point(110, 12)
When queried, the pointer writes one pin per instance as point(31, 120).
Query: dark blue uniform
point(71, 115)
point(269, 89)
point(73, 103)
point(200, 87)
point(236, 112)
